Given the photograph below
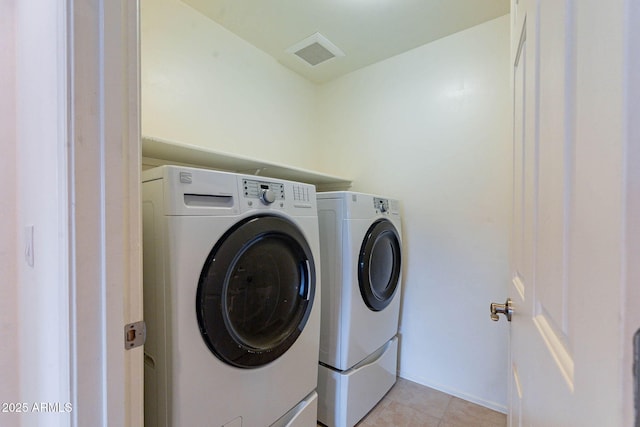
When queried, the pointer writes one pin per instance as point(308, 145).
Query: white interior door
point(568, 255)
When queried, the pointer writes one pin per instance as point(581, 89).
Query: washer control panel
point(267, 192)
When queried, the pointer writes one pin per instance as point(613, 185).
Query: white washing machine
point(360, 251)
point(231, 295)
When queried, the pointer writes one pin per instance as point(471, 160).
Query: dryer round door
point(379, 265)
point(256, 291)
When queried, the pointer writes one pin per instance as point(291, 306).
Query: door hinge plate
point(135, 335)
point(636, 376)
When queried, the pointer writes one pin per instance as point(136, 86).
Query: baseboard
point(464, 396)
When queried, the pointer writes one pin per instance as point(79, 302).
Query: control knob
point(267, 197)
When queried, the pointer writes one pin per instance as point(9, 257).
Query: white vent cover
point(315, 49)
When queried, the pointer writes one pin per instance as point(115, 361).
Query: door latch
point(505, 309)
point(135, 334)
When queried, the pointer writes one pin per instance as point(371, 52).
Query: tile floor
point(414, 405)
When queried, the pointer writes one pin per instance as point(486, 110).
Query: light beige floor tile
point(397, 415)
point(413, 405)
point(461, 413)
point(423, 399)
point(376, 410)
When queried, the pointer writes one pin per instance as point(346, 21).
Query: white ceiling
point(367, 31)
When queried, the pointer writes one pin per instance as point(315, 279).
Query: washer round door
point(379, 265)
point(256, 291)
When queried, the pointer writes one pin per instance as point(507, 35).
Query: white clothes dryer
point(360, 251)
point(231, 288)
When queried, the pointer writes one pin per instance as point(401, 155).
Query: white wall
point(9, 391)
point(203, 85)
point(40, 179)
point(431, 127)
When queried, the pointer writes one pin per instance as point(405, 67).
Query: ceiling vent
point(315, 50)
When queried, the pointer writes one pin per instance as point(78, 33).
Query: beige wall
point(202, 85)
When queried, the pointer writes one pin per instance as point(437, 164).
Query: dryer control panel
point(385, 206)
point(381, 205)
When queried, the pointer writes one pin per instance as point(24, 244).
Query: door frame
point(631, 297)
point(74, 182)
point(104, 158)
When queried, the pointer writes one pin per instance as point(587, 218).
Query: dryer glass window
point(256, 291)
point(379, 265)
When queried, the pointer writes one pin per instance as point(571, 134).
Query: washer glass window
point(256, 291)
point(379, 264)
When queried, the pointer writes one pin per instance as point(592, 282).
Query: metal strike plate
point(135, 334)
